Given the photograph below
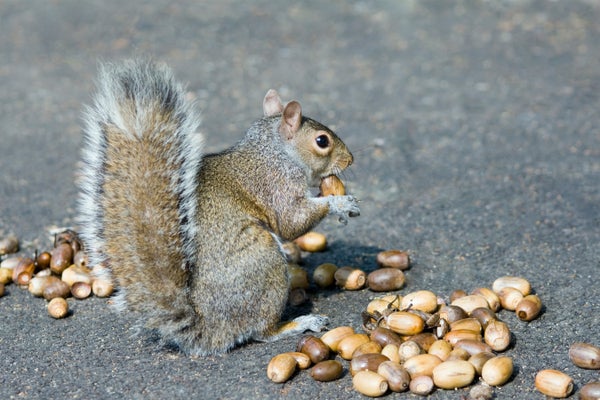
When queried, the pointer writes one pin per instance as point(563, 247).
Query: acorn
point(422, 364)
point(334, 336)
point(43, 260)
point(478, 360)
point(38, 283)
point(424, 340)
point(497, 370)
point(590, 391)
point(5, 275)
point(515, 282)
point(332, 186)
point(312, 242)
point(461, 334)
point(10, 262)
point(81, 290)
point(497, 335)
point(61, 258)
point(58, 308)
point(298, 277)
point(350, 278)
point(529, 307)
point(453, 374)
point(490, 296)
point(74, 274)
point(102, 287)
point(327, 370)
point(472, 346)
point(393, 259)
point(297, 296)
point(553, 383)
point(421, 385)
point(385, 336)
point(281, 367)
point(452, 313)
point(303, 360)
point(585, 355)
point(471, 324)
point(484, 315)
point(369, 347)
point(349, 344)
point(510, 298)
point(366, 362)
point(23, 271)
point(385, 280)
point(324, 275)
point(314, 348)
point(391, 351)
point(441, 349)
point(369, 383)
point(56, 289)
point(422, 300)
point(456, 294)
point(396, 376)
point(9, 244)
point(380, 304)
point(471, 302)
point(408, 350)
point(458, 354)
point(405, 323)
point(81, 259)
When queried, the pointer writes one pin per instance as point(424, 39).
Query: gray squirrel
point(194, 241)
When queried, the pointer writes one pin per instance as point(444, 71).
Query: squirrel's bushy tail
point(137, 207)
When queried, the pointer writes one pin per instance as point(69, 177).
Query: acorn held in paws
point(332, 186)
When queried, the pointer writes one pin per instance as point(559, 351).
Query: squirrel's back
point(138, 202)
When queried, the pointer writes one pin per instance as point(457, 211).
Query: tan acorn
point(281, 367)
point(58, 308)
point(553, 383)
point(497, 371)
point(332, 186)
point(312, 242)
point(453, 374)
point(369, 383)
point(334, 336)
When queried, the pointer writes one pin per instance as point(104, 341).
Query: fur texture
point(193, 242)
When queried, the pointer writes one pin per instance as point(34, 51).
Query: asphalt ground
point(476, 135)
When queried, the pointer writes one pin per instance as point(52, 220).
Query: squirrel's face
point(321, 151)
point(316, 146)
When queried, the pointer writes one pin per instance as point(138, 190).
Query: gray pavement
point(476, 134)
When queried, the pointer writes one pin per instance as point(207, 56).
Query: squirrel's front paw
point(344, 206)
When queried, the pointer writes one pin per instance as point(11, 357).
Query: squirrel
point(194, 241)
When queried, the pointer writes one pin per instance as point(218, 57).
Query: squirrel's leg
point(301, 324)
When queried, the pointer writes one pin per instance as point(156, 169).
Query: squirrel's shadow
point(341, 254)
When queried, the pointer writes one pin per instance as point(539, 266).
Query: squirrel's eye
point(322, 141)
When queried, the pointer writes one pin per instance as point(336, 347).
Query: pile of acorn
point(419, 342)
point(54, 275)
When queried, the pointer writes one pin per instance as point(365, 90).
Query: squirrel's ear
point(272, 104)
point(291, 119)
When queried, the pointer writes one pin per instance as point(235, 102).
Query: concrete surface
point(476, 133)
